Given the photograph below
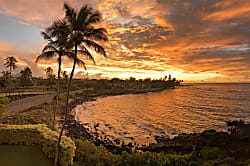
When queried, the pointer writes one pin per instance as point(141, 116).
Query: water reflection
point(184, 109)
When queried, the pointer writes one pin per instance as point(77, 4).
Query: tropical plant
point(58, 47)
point(65, 78)
point(26, 76)
point(11, 64)
point(50, 75)
point(5, 78)
point(82, 35)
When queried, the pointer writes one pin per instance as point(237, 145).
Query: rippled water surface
point(184, 109)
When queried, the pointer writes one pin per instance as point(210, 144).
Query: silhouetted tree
point(50, 75)
point(10, 63)
point(58, 47)
point(169, 77)
point(26, 76)
point(82, 35)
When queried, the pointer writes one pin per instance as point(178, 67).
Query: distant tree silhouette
point(11, 64)
point(50, 75)
point(26, 76)
point(169, 77)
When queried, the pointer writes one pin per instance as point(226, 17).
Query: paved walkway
point(27, 102)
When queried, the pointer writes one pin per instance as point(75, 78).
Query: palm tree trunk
point(10, 82)
point(66, 108)
point(58, 90)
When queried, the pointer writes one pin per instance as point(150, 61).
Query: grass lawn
point(20, 155)
point(26, 93)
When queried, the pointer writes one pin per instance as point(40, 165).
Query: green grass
point(26, 93)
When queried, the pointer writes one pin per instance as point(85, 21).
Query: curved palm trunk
point(58, 90)
point(66, 108)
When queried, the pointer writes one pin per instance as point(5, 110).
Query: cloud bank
point(195, 40)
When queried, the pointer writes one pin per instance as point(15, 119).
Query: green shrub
point(149, 159)
point(90, 155)
point(39, 135)
point(226, 162)
point(4, 100)
point(2, 108)
point(210, 153)
point(64, 97)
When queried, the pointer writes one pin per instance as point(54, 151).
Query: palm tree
point(49, 73)
point(26, 73)
point(26, 76)
point(58, 47)
point(82, 35)
point(11, 63)
point(65, 77)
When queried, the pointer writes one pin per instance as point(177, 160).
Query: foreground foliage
point(38, 135)
point(87, 154)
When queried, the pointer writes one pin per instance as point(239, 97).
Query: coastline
point(76, 129)
point(235, 142)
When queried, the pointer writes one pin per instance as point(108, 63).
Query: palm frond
point(46, 36)
point(46, 55)
point(98, 48)
point(70, 14)
point(86, 53)
point(79, 62)
point(94, 18)
point(99, 34)
point(85, 11)
point(50, 47)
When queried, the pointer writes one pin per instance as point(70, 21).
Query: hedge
point(4, 100)
point(39, 135)
point(2, 108)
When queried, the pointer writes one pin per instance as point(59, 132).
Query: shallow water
point(184, 109)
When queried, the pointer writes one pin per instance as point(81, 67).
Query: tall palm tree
point(58, 47)
point(10, 63)
point(82, 35)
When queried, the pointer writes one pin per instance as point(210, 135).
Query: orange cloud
point(198, 40)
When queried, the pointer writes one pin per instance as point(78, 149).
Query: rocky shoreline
point(234, 143)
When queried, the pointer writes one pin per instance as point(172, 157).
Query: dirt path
point(27, 102)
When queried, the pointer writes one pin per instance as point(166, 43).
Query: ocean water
point(185, 109)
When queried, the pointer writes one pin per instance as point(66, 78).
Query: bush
point(4, 100)
point(64, 97)
point(39, 135)
point(90, 155)
point(2, 108)
point(210, 153)
point(149, 159)
point(226, 162)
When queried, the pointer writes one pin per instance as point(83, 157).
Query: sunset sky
point(194, 40)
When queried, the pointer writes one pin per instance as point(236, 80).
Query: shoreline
point(76, 129)
point(235, 142)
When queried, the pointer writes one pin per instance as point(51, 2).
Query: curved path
point(27, 102)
